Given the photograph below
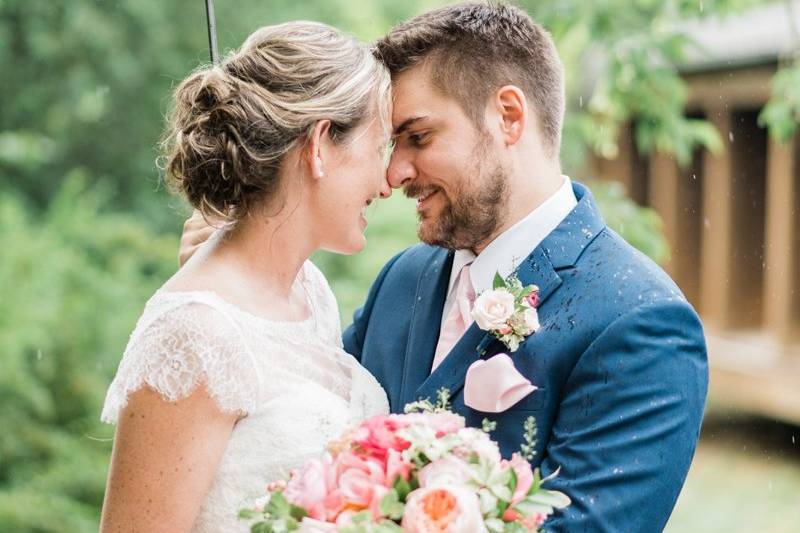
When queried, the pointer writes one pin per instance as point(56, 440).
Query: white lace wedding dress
point(293, 381)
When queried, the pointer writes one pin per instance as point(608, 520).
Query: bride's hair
point(231, 125)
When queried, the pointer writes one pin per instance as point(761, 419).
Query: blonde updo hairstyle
point(232, 125)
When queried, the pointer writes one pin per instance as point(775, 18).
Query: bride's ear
point(317, 149)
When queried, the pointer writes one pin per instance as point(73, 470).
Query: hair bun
point(213, 89)
point(231, 125)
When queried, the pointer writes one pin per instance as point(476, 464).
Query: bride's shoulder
point(181, 340)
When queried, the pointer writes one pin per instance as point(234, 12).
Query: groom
point(618, 367)
point(619, 363)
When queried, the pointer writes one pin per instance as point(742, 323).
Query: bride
point(235, 372)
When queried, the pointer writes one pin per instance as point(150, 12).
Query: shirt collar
point(510, 248)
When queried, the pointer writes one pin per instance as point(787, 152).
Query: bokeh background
point(682, 118)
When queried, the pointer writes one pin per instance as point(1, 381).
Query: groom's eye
point(417, 139)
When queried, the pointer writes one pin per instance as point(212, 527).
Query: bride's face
point(354, 176)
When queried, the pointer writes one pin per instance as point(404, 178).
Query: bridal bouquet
point(420, 472)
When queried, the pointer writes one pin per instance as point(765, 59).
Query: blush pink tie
point(458, 319)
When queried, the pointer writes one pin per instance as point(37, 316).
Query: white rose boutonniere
point(508, 310)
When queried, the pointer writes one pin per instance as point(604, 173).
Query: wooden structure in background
point(733, 223)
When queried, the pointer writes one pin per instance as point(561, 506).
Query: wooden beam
point(744, 88)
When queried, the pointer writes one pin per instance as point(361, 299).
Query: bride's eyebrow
point(407, 123)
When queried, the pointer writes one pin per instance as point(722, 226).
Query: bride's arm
point(164, 459)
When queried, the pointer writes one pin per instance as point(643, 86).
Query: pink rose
point(533, 299)
point(377, 435)
point(358, 479)
point(522, 469)
point(443, 509)
point(449, 470)
point(308, 488)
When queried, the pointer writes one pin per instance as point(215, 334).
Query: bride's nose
point(385, 190)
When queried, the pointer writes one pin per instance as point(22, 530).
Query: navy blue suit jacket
point(619, 362)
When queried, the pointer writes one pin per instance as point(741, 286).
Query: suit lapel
point(560, 250)
point(476, 343)
point(425, 323)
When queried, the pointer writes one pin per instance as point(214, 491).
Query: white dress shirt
point(510, 248)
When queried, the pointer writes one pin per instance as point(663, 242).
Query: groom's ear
point(511, 107)
point(316, 150)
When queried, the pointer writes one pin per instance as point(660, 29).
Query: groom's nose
point(401, 170)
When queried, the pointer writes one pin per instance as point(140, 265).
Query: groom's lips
point(423, 200)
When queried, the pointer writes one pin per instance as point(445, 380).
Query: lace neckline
point(302, 278)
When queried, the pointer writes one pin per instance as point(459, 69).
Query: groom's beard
point(471, 217)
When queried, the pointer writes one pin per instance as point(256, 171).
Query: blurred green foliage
point(89, 234)
point(73, 282)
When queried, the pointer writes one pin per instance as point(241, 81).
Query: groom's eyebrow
point(407, 124)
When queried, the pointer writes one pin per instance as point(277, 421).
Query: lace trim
point(178, 345)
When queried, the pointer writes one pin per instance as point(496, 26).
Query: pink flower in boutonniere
point(533, 298)
point(508, 310)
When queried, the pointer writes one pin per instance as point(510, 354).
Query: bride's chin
point(352, 245)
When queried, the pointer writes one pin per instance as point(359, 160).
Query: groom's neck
point(527, 190)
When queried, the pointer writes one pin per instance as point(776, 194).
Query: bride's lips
point(363, 218)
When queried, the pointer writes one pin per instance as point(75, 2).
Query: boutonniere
point(508, 310)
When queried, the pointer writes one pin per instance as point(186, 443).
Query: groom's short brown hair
point(473, 49)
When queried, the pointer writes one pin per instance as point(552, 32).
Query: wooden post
point(715, 265)
point(663, 197)
point(781, 250)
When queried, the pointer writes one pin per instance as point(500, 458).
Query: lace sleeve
point(178, 349)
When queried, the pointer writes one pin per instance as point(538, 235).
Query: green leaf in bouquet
point(262, 527)
point(528, 448)
point(495, 525)
point(248, 514)
point(498, 282)
point(551, 476)
point(553, 498)
point(279, 507)
point(527, 508)
point(298, 513)
point(529, 289)
point(488, 503)
point(443, 399)
point(514, 527)
point(391, 506)
point(402, 487)
point(512, 484)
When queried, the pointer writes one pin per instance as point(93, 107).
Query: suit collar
point(565, 244)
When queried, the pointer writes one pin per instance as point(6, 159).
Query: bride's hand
point(196, 231)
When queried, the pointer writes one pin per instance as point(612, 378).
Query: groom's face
point(446, 163)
